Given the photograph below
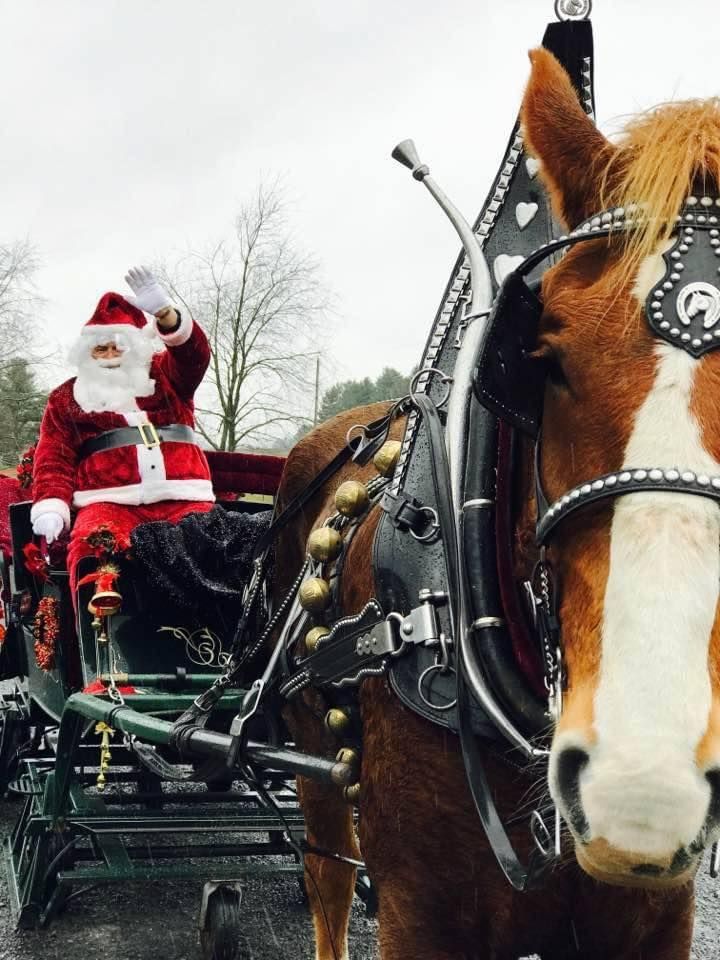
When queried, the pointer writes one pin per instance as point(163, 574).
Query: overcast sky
point(134, 129)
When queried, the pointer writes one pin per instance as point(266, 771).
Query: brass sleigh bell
point(351, 498)
point(352, 793)
point(324, 544)
point(386, 458)
point(349, 756)
point(105, 603)
point(313, 638)
point(336, 720)
point(314, 595)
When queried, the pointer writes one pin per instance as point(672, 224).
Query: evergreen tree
point(21, 409)
point(356, 393)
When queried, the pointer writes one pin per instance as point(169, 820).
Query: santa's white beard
point(113, 385)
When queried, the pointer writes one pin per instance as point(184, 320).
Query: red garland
point(46, 629)
point(25, 467)
point(107, 538)
point(35, 562)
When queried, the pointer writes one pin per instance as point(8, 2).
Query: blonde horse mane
point(664, 155)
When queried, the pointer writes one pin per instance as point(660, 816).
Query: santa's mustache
point(114, 364)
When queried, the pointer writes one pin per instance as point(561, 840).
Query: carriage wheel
point(221, 936)
point(59, 857)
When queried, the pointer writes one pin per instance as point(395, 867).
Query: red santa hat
point(114, 314)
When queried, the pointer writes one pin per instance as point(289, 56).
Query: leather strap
point(521, 876)
point(628, 480)
point(145, 434)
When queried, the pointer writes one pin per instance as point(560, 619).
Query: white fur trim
point(50, 505)
point(179, 336)
point(135, 494)
point(103, 329)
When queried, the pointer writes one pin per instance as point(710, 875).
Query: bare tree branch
point(262, 302)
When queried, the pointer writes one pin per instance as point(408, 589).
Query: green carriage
point(85, 746)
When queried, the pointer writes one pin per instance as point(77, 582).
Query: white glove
point(49, 525)
point(150, 295)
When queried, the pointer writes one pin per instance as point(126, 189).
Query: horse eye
point(555, 373)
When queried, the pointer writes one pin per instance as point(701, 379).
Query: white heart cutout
point(505, 264)
point(532, 166)
point(525, 213)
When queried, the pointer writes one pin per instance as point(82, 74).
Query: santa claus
point(117, 441)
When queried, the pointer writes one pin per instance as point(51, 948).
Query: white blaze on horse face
point(642, 790)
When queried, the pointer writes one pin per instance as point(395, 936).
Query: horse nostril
point(570, 763)
point(713, 814)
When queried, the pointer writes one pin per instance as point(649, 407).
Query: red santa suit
point(141, 480)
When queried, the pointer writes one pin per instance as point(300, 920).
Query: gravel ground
point(159, 922)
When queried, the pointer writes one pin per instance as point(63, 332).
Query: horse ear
point(571, 150)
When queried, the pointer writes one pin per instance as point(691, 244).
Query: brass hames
point(351, 498)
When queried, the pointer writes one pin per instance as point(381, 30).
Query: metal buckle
point(154, 440)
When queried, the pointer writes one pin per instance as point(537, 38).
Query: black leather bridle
point(683, 309)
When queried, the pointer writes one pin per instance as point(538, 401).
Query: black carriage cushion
point(196, 570)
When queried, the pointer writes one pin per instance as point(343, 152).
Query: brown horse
point(636, 753)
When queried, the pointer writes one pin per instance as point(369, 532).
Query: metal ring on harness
point(573, 9)
point(349, 435)
point(421, 679)
point(434, 522)
point(444, 378)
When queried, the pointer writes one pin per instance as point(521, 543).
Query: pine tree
point(21, 409)
point(356, 393)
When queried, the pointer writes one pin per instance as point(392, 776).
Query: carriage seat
point(142, 645)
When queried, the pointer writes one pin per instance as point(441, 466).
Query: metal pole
point(204, 743)
point(317, 389)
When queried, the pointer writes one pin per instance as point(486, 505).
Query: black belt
point(146, 434)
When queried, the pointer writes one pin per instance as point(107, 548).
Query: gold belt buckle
point(154, 440)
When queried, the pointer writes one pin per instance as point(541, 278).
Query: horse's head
point(635, 764)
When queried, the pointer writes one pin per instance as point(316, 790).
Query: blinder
point(508, 381)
